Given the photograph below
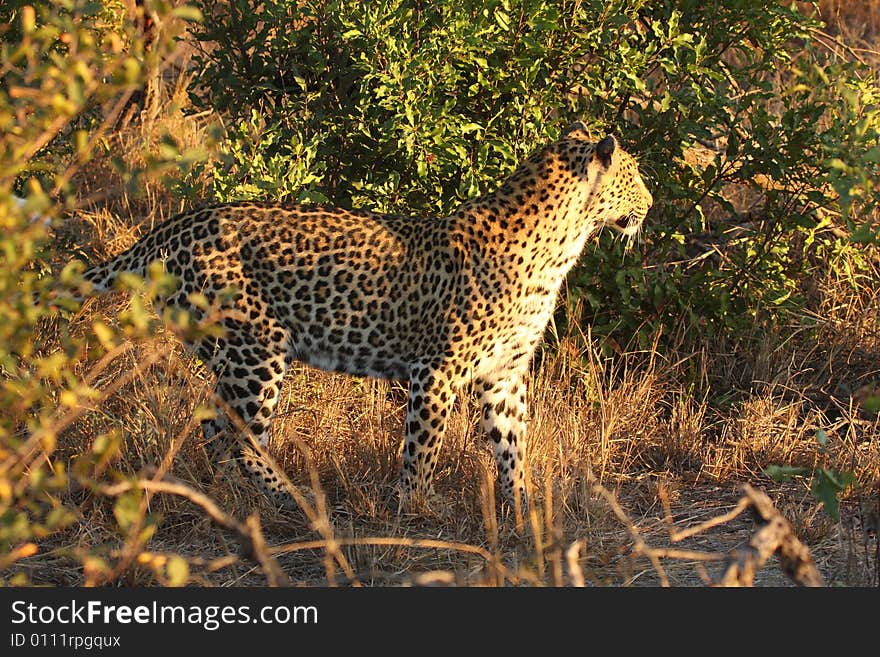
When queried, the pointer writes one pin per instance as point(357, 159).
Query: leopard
point(453, 304)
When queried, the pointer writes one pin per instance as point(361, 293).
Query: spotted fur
point(441, 302)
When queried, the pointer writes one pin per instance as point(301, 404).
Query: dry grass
point(621, 424)
point(622, 451)
point(856, 20)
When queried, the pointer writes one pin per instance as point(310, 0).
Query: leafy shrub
point(411, 107)
point(63, 68)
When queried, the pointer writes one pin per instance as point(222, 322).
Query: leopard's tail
point(133, 260)
point(103, 275)
point(138, 257)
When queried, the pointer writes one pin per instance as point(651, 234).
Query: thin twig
point(574, 568)
point(640, 546)
point(250, 535)
point(687, 555)
point(742, 505)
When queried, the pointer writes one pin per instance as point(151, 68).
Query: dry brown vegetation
point(623, 452)
point(858, 21)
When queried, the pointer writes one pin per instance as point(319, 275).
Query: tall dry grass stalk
point(857, 20)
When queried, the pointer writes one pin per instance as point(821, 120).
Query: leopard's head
point(616, 194)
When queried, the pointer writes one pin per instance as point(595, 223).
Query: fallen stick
point(776, 535)
point(250, 535)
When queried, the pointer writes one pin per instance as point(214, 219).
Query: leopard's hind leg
point(249, 361)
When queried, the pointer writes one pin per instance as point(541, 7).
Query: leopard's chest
point(514, 328)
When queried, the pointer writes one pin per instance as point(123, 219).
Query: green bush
point(411, 107)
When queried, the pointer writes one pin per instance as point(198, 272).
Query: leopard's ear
point(577, 130)
point(605, 149)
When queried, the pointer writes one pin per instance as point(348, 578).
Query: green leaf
point(785, 472)
point(130, 281)
point(872, 155)
point(864, 235)
point(827, 485)
point(127, 510)
point(188, 13)
point(871, 404)
point(59, 517)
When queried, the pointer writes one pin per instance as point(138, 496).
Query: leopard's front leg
point(503, 410)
